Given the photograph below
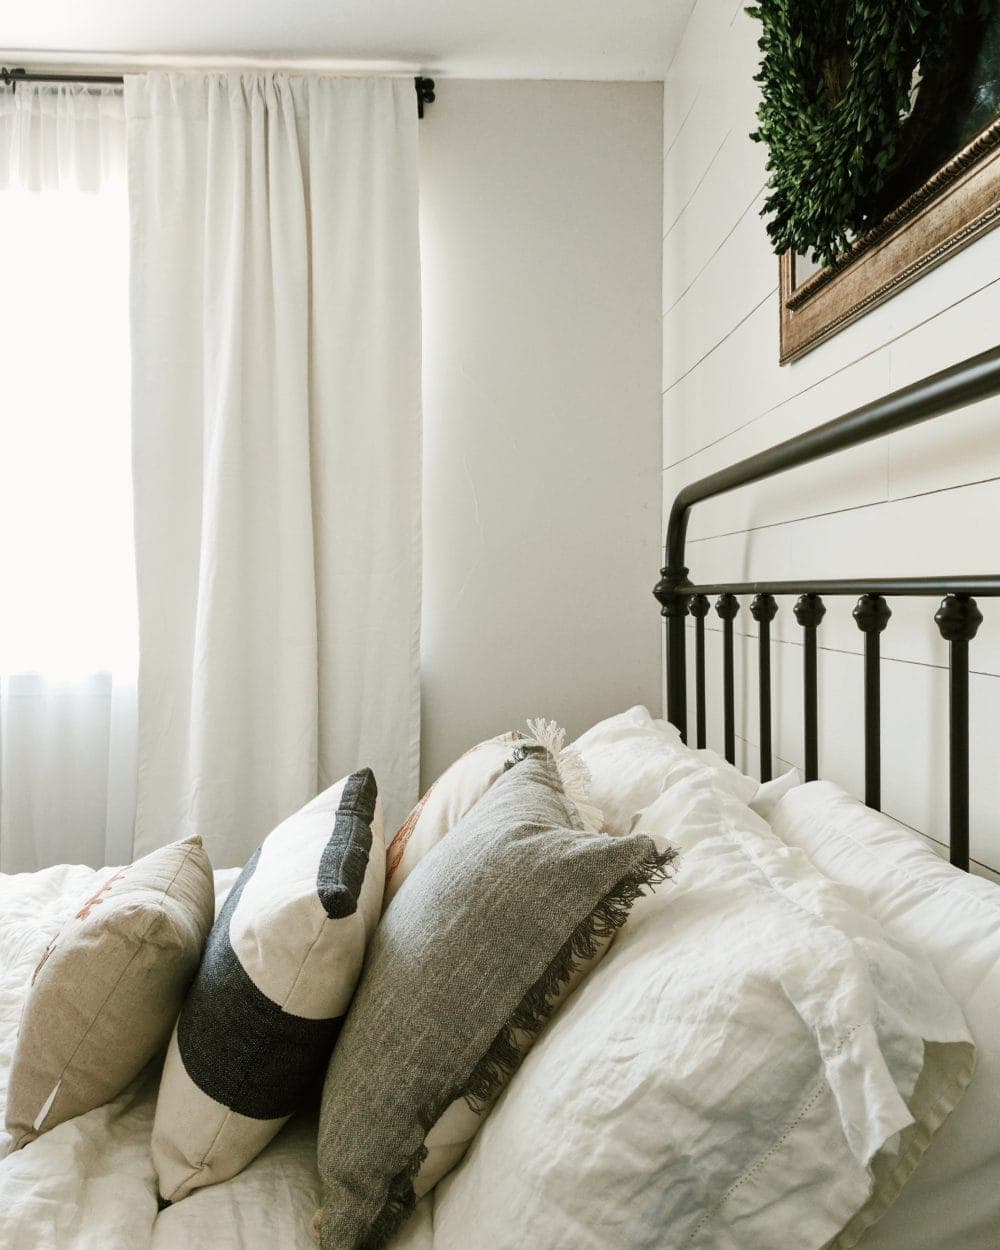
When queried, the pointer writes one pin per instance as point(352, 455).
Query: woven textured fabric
point(468, 960)
point(279, 970)
point(107, 991)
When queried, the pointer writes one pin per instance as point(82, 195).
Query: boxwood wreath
point(837, 108)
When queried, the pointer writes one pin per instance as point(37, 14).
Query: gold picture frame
point(957, 204)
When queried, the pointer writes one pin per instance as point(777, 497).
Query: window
point(68, 634)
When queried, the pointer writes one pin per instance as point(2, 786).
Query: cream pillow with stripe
point(280, 967)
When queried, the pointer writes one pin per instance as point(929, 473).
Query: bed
point(89, 1183)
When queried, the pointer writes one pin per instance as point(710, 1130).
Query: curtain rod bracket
point(9, 77)
point(425, 93)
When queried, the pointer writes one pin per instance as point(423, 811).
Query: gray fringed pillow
point(466, 965)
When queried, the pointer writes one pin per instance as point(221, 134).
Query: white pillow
point(953, 919)
point(728, 1076)
point(770, 793)
point(632, 759)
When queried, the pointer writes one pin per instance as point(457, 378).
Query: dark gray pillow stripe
point(344, 862)
point(237, 1045)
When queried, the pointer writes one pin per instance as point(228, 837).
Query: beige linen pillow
point(107, 991)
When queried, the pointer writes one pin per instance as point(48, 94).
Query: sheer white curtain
point(276, 425)
point(67, 590)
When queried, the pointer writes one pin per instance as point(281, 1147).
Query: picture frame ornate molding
point(957, 204)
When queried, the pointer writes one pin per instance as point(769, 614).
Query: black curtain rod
point(11, 77)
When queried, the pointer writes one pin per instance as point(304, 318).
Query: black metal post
point(698, 607)
point(763, 610)
point(958, 619)
point(669, 591)
point(809, 611)
point(872, 613)
point(727, 607)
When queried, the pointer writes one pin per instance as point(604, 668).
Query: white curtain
point(276, 446)
point(67, 589)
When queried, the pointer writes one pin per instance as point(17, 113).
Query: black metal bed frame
point(958, 617)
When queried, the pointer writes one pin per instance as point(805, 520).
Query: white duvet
point(89, 1183)
point(668, 1097)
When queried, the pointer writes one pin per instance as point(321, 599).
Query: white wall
point(924, 501)
point(540, 227)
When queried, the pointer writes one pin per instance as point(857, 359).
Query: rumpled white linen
point(725, 1080)
point(89, 1183)
point(953, 919)
point(728, 1076)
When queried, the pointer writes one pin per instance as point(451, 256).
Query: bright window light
point(67, 580)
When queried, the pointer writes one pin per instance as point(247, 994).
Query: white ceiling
point(599, 39)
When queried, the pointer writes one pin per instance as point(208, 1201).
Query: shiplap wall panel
point(872, 541)
point(925, 500)
point(914, 715)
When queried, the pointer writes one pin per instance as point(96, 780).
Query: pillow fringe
point(574, 775)
point(505, 1053)
point(507, 1049)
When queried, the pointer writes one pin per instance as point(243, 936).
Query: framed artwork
point(947, 209)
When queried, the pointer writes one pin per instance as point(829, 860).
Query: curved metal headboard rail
point(952, 388)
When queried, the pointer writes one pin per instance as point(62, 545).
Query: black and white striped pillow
point(279, 970)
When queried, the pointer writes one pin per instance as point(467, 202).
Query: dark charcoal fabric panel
point(344, 862)
point(237, 1045)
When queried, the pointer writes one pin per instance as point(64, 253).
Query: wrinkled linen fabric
point(547, 1169)
point(632, 758)
point(89, 1183)
point(726, 1077)
point(953, 919)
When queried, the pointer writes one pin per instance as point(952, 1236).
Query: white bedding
point(89, 1184)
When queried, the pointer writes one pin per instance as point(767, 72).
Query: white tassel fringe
point(573, 772)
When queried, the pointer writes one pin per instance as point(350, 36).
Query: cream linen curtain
point(276, 446)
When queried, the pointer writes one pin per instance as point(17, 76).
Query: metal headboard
point(958, 618)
